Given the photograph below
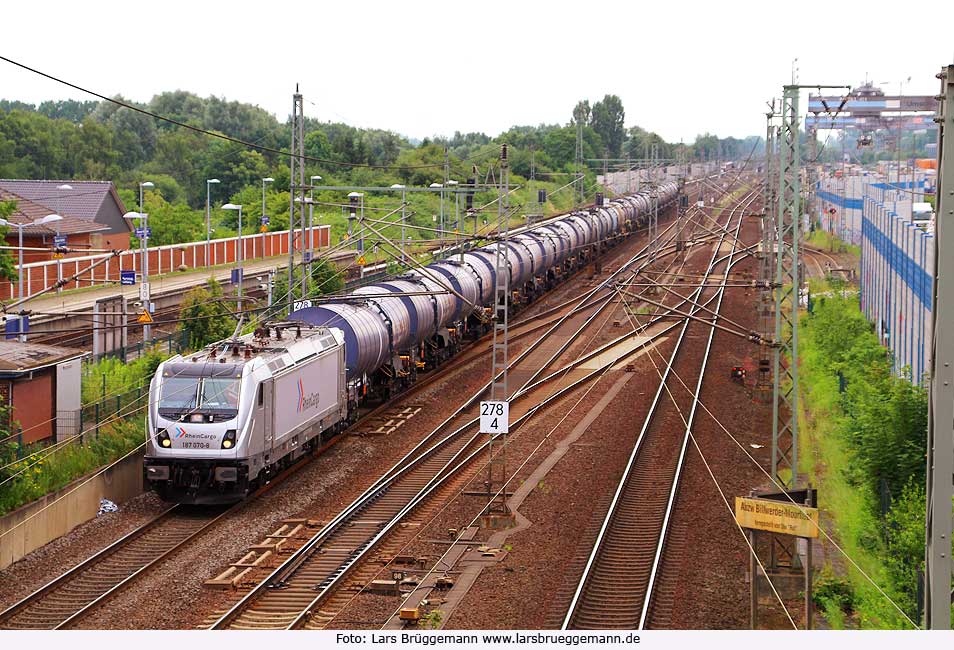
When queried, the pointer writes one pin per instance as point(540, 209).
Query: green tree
point(581, 112)
point(205, 316)
point(607, 120)
point(8, 270)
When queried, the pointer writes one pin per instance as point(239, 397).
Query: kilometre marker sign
point(495, 417)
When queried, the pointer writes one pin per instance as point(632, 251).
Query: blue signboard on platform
point(236, 276)
point(59, 241)
point(265, 221)
point(144, 234)
point(307, 255)
point(127, 278)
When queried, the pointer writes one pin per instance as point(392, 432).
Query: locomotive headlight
point(163, 437)
point(229, 440)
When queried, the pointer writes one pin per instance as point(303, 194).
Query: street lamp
point(453, 184)
point(264, 216)
point(356, 198)
point(398, 186)
point(208, 217)
point(239, 252)
point(59, 263)
point(144, 224)
point(20, 226)
point(441, 186)
point(143, 272)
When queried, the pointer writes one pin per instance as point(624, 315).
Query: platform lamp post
point(59, 206)
point(238, 251)
point(440, 186)
point(145, 294)
point(453, 184)
point(265, 181)
point(20, 226)
point(143, 279)
point(398, 186)
point(208, 218)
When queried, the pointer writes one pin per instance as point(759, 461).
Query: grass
point(825, 241)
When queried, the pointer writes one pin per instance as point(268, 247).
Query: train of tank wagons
point(226, 418)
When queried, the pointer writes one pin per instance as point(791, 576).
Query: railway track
point(79, 591)
point(617, 586)
point(304, 591)
point(87, 585)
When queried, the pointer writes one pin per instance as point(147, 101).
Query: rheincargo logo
point(180, 432)
point(306, 401)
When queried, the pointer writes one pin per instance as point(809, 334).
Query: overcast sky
point(423, 68)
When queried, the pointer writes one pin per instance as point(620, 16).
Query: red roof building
point(92, 216)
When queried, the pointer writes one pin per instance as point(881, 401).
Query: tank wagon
point(224, 419)
point(415, 322)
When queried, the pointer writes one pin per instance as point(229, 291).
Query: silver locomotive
point(222, 420)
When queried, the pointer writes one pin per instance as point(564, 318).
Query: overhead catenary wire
point(531, 454)
point(503, 488)
point(801, 507)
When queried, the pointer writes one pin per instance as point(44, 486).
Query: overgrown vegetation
point(826, 241)
point(112, 376)
point(865, 447)
point(40, 470)
point(113, 393)
point(205, 314)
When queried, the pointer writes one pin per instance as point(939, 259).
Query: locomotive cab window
point(178, 393)
point(219, 393)
point(261, 395)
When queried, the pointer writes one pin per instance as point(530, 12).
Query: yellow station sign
point(777, 517)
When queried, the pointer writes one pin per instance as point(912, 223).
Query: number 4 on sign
point(495, 417)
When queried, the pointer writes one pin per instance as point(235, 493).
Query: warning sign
point(361, 261)
point(495, 417)
point(144, 318)
point(776, 517)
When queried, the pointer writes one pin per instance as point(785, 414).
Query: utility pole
point(297, 186)
point(579, 159)
point(940, 444)
point(785, 390)
point(654, 197)
point(763, 385)
point(787, 285)
point(499, 389)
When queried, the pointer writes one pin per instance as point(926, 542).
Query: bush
point(205, 316)
point(120, 377)
point(833, 594)
point(905, 544)
point(873, 425)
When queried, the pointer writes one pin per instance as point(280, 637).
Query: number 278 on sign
point(495, 417)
